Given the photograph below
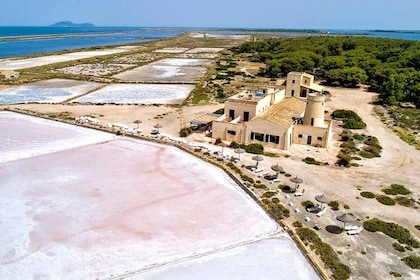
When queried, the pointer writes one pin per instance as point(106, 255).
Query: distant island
point(71, 24)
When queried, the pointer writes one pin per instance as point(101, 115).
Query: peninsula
point(71, 24)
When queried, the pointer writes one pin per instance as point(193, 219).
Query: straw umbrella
point(322, 199)
point(277, 168)
point(157, 126)
point(137, 122)
point(257, 158)
point(297, 181)
point(345, 218)
point(239, 151)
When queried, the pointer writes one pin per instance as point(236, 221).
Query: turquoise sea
point(27, 40)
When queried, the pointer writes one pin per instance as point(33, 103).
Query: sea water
point(27, 40)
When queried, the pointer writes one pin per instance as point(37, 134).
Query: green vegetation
point(417, 227)
point(368, 194)
point(404, 201)
point(351, 120)
point(185, 131)
point(62, 115)
point(386, 200)
point(326, 253)
point(297, 224)
point(252, 148)
point(310, 160)
point(395, 274)
point(397, 246)
point(369, 144)
point(276, 209)
point(393, 230)
point(405, 122)
point(268, 194)
point(334, 205)
point(307, 203)
point(412, 261)
point(396, 189)
point(389, 66)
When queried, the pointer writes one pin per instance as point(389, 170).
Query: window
point(312, 121)
point(231, 132)
point(300, 136)
point(319, 138)
point(246, 116)
point(293, 81)
point(257, 136)
point(293, 92)
point(231, 114)
point(274, 139)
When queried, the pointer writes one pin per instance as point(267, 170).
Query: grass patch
point(326, 253)
point(297, 224)
point(268, 194)
point(386, 200)
point(392, 230)
point(396, 189)
point(412, 261)
point(368, 194)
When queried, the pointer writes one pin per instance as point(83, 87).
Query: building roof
point(206, 119)
point(314, 87)
point(283, 112)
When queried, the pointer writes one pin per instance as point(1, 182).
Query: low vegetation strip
point(392, 230)
point(326, 253)
point(351, 120)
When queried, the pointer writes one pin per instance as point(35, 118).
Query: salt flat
point(51, 91)
point(139, 93)
point(124, 208)
point(16, 64)
point(180, 70)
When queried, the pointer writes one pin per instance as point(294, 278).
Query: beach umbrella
point(257, 158)
point(296, 180)
point(239, 151)
point(223, 145)
point(157, 126)
point(322, 199)
point(345, 218)
point(137, 122)
point(277, 168)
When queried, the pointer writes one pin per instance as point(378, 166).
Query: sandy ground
point(16, 64)
point(118, 207)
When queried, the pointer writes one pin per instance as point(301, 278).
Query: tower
point(314, 111)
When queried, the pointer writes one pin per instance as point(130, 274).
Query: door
point(309, 142)
point(246, 116)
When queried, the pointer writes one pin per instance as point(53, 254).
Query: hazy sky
point(328, 14)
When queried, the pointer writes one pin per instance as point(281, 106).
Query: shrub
point(275, 200)
point(351, 120)
point(326, 253)
point(185, 131)
point(268, 194)
point(310, 160)
point(360, 137)
point(395, 274)
point(218, 141)
point(395, 189)
point(246, 178)
point(297, 224)
point(368, 194)
point(412, 261)
point(366, 154)
point(404, 201)
point(307, 203)
point(417, 227)
point(397, 246)
point(391, 229)
point(277, 210)
point(254, 148)
point(386, 200)
point(334, 205)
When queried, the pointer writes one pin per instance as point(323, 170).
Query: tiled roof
point(283, 112)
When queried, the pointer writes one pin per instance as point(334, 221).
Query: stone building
point(277, 118)
point(8, 74)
